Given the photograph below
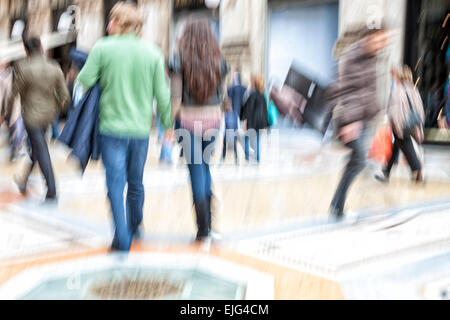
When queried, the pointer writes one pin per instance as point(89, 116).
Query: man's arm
point(162, 94)
point(90, 73)
point(61, 92)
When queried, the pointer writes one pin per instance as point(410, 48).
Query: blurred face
point(113, 27)
point(3, 65)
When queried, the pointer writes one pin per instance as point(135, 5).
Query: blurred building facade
point(257, 36)
point(243, 25)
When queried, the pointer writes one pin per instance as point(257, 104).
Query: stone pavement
point(273, 218)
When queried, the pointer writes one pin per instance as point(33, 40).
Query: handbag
point(381, 147)
point(273, 114)
point(412, 121)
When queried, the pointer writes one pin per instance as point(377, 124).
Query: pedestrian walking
point(202, 69)
point(14, 119)
point(236, 95)
point(254, 113)
point(406, 104)
point(131, 73)
point(355, 95)
point(43, 94)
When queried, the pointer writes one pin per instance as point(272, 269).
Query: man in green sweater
point(131, 74)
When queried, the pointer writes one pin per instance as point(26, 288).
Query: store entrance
point(427, 52)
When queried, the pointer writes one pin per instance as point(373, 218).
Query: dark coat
point(42, 88)
point(255, 111)
point(81, 132)
point(355, 93)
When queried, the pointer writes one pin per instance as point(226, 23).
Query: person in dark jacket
point(43, 94)
point(355, 95)
point(255, 116)
point(236, 95)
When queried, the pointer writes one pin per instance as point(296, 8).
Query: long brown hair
point(200, 59)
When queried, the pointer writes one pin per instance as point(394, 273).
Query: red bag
point(381, 148)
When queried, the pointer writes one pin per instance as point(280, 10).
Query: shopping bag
point(381, 147)
point(273, 114)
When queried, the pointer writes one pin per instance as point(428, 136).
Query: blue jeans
point(247, 146)
point(124, 160)
point(199, 172)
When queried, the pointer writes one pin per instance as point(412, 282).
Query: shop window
point(59, 7)
point(427, 53)
point(179, 5)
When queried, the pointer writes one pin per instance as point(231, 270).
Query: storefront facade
point(257, 36)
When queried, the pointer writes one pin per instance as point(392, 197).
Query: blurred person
point(355, 97)
point(43, 94)
point(131, 73)
point(201, 70)
point(14, 119)
point(255, 116)
point(404, 97)
point(236, 94)
point(231, 135)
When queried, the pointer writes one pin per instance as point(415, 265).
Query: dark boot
point(203, 219)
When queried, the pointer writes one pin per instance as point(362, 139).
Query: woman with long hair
point(200, 68)
point(405, 100)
